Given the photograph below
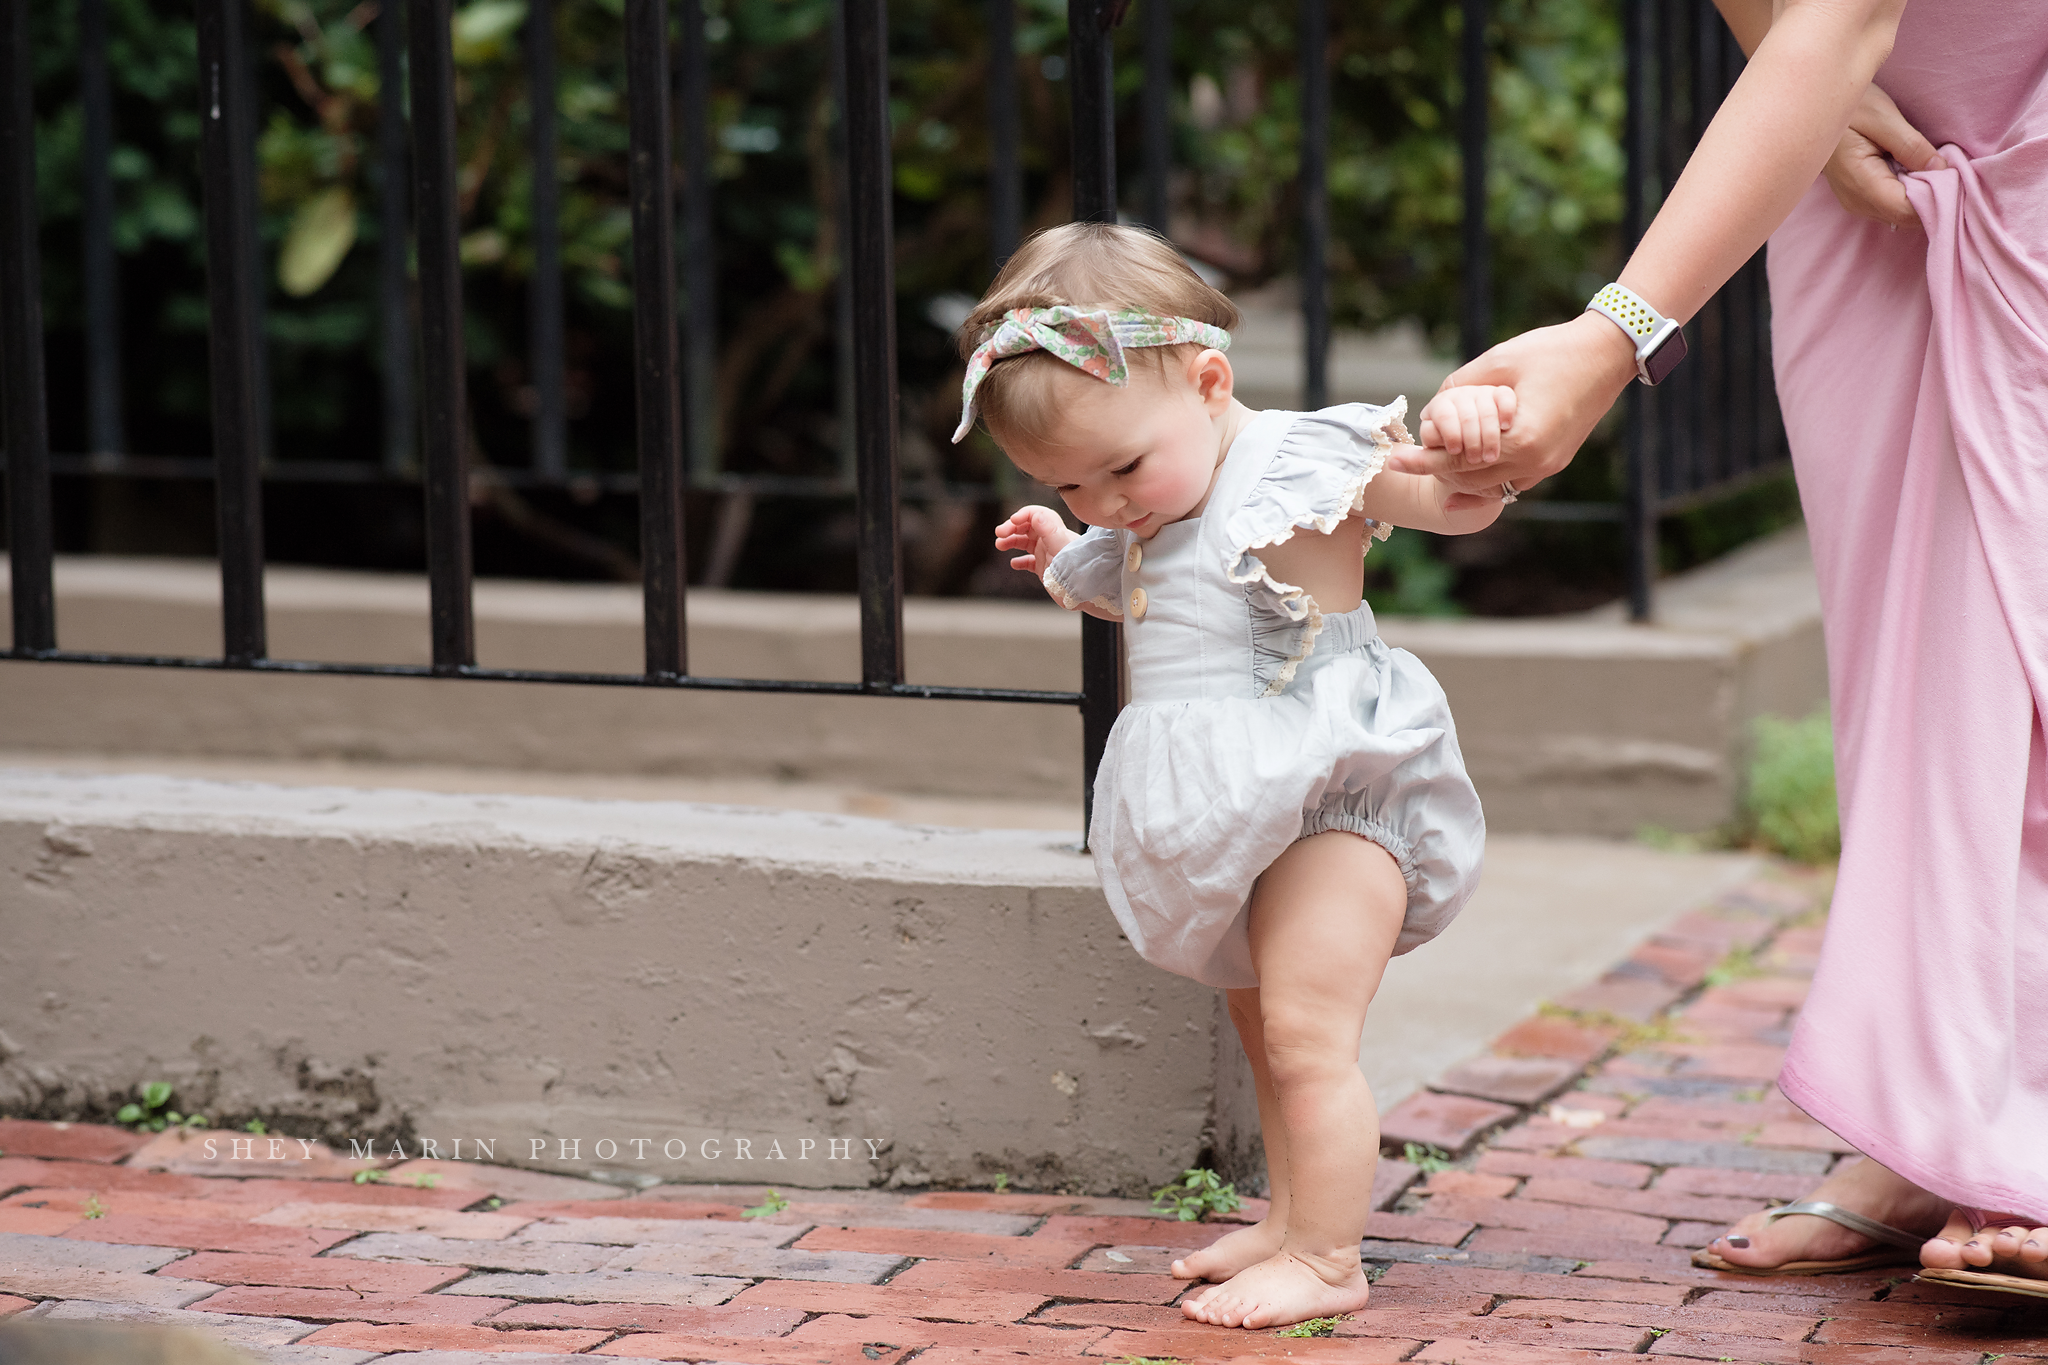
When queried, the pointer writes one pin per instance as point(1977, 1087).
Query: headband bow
point(1093, 343)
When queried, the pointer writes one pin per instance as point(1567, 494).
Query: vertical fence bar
point(657, 352)
point(1005, 171)
point(871, 252)
point(1315, 204)
point(1639, 510)
point(444, 413)
point(1475, 311)
point(845, 392)
point(22, 393)
point(1158, 110)
point(699, 264)
point(234, 322)
point(103, 426)
point(394, 241)
point(544, 291)
point(1094, 119)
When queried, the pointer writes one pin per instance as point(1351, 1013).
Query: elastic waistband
point(1347, 632)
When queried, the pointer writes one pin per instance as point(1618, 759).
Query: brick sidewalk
point(1597, 1144)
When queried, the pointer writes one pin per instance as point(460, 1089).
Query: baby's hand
point(1039, 533)
point(1467, 421)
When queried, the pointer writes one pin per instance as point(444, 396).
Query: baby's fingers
point(1505, 402)
point(1459, 502)
point(1028, 563)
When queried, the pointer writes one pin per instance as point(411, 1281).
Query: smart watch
point(1660, 341)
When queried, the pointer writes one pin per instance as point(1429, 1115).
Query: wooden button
point(1137, 604)
point(1133, 557)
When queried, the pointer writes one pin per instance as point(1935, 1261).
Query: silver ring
point(1508, 493)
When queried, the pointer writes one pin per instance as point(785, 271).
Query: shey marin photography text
point(230, 1147)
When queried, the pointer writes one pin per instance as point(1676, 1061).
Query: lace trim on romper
point(1079, 574)
point(1317, 478)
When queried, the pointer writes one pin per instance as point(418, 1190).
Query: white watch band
point(1649, 329)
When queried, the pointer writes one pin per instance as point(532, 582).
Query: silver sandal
point(1899, 1247)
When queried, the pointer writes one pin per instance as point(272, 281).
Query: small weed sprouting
point(93, 1207)
point(1425, 1157)
point(1200, 1193)
point(154, 1114)
point(1739, 965)
point(426, 1180)
point(1314, 1327)
point(1149, 1360)
point(1002, 1182)
point(371, 1176)
point(494, 1203)
point(1631, 1035)
point(771, 1204)
point(256, 1126)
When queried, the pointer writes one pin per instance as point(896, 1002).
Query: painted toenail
point(2034, 1244)
point(1739, 1242)
point(1973, 1242)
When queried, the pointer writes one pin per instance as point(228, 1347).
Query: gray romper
point(1255, 720)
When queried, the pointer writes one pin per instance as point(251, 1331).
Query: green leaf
point(128, 1113)
point(481, 30)
point(322, 231)
point(156, 1094)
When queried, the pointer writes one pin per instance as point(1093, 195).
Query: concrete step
point(520, 967)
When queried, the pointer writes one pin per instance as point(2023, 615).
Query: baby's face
point(1137, 457)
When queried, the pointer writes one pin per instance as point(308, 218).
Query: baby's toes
point(2033, 1253)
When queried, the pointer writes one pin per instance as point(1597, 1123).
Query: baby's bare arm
point(1419, 501)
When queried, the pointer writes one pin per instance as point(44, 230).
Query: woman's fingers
point(1864, 183)
point(1878, 119)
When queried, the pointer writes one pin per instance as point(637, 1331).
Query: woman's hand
point(1039, 533)
point(1863, 181)
point(1565, 379)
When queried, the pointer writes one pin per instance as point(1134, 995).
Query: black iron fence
point(1713, 425)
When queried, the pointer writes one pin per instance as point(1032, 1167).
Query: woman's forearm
point(1748, 20)
point(1765, 146)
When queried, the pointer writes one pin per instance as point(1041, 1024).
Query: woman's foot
point(1227, 1255)
point(2016, 1250)
point(1284, 1288)
point(1862, 1187)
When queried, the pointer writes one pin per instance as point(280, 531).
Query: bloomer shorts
point(1424, 811)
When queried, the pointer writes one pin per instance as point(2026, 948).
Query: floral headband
point(1093, 343)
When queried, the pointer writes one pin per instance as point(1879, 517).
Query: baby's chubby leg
point(1246, 1247)
point(1324, 918)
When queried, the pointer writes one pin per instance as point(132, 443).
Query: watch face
point(1661, 362)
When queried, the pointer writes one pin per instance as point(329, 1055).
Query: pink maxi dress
point(1913, 372)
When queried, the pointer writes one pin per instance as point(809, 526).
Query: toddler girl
point(1282, 806)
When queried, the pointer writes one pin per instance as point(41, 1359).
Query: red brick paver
point(1595, 1144)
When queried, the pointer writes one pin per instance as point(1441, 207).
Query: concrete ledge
point(377, 963)
point(1579, 724)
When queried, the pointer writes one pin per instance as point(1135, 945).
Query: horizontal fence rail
point(1714, 425)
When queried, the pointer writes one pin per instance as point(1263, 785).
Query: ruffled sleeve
point(1089, 571)
point(1315, 479)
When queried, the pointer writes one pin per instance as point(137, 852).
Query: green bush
point(1791, 799)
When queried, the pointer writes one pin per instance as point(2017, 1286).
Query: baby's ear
point(1213, 379)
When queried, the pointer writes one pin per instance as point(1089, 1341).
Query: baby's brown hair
point(1080, 265)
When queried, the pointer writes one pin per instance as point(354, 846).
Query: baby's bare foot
point(1282, 1289)
point(1229, 1254)
point(2019, 1251)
